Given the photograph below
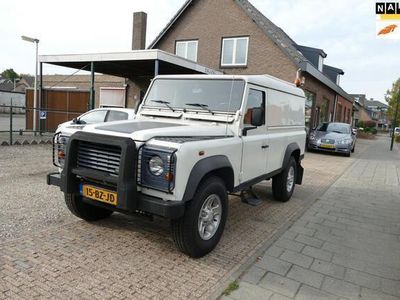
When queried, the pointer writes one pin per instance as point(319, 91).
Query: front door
point(255, 143)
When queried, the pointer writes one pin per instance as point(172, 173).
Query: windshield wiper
point(201, 105)
point(336, 131)
point(166, 103)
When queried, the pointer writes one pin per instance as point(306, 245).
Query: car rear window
point(116, 116)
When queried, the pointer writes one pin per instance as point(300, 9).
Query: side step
point(249, 197)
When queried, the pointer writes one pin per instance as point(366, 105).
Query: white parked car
point(195, 139)
point(94, 116)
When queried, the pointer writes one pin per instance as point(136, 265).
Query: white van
point(195, 139)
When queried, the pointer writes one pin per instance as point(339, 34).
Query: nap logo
point(387, 20)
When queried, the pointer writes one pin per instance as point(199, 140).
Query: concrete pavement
point(345, 246)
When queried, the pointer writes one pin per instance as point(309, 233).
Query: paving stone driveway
point(347, 245)
point(130, 257)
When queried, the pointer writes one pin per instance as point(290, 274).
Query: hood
point(330, 135)
point(140, 130)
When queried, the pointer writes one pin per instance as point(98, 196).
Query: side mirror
point(257, 116)
point(75, 120)
point(353, 131)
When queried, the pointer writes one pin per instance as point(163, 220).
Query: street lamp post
point(35, 113)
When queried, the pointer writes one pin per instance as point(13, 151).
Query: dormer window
point(320, 63)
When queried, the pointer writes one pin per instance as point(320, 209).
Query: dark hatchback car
point(333, 137)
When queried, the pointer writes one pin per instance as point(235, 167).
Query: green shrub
point(368, 129)
point(374, 131)
point(397, 139)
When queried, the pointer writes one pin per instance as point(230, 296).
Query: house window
point(234, 51)
point(187, 49)
point(310, 98)
point(324, 111)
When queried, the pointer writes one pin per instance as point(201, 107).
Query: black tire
point(185, 230)
point(85, 211)
point(348, 154)
point(279, 182)
point(354, 147)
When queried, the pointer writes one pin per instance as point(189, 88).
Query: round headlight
point(156, 165)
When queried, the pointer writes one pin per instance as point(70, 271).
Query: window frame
point(234, 64)
point(264, 96)
point(186, 42)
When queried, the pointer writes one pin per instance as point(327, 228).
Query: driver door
point(255, 142)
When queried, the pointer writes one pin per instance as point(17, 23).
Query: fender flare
point(203, 167)
point(288, 153)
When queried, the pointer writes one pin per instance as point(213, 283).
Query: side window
point(254, 99)
point(97, 116)
point(114, 115)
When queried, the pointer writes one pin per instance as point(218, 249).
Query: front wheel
point(283, 183)
point(200, 229)
point(85, 211)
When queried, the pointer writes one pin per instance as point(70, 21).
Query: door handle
point(265, 146)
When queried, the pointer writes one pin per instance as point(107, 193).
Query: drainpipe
point(334, 108)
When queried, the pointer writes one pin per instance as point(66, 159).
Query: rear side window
point(97, 116)
point(255, 99)
point(116, 116)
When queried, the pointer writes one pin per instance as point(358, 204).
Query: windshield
point(334, 127)
point(213, 95)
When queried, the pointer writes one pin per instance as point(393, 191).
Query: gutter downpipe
point(334, 108)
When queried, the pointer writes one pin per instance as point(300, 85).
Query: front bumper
point(336, 149)
point(145, 203)
point(124, 184)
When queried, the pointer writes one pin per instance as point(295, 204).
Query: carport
point(138, 66)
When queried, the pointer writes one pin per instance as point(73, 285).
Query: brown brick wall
point(347, 108)
point(210, 20)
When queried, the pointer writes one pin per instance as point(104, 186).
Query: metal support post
point(40, 95)
point(35, 112)
point(156, 67)
point(92, 90)
point(11, 122)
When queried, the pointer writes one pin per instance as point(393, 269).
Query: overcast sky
point(344, 29)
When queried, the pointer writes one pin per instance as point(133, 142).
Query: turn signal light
point(61, 154)
point(169, 176)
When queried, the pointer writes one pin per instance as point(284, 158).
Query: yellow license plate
point(99, 194)
point(329, 146)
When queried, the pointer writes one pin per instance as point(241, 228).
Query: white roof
point(134, 55)
point(262, 80)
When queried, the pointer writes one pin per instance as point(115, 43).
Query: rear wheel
point(85, 211)
point(283, 183)
point(354, 147)
point(200, 229)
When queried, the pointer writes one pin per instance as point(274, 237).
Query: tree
point(392, 97)
point(9, 74)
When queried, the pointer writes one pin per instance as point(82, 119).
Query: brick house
point(241, 40)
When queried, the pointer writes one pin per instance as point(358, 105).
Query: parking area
point(46, 252)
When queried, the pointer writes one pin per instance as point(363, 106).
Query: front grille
point(100, 157)
point(328, 141)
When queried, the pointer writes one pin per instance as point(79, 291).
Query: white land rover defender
point(195, 139)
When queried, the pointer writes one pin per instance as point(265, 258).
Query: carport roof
point(137, 63)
